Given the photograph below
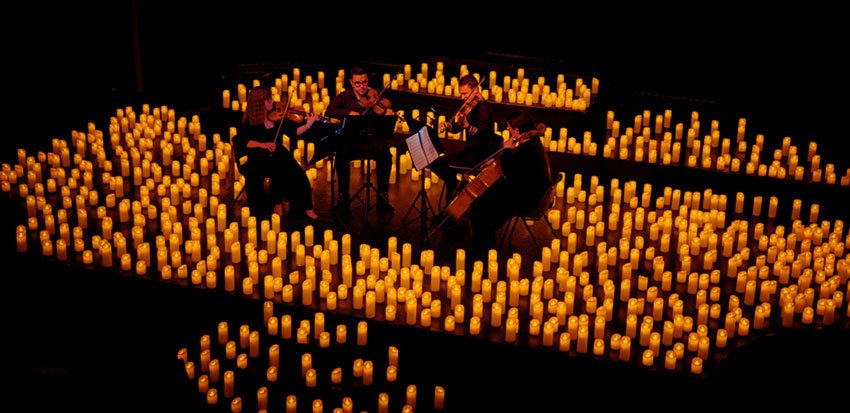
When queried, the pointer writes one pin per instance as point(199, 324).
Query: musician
point(526, 180)
point(346, 104)
point(267, 157)
point(480, 143)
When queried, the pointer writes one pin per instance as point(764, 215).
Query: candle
point(203, 383)
point(262, 398)
point(367, 372)
point(228, 384)
point(291, 404)
point(475, 326)
point(439, 398)
point(383, 403)
point(362, 329)
point(411, 395)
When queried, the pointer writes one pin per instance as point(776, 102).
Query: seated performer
point(346, 104)
point(268, 158)
point(480, 143)
point(526, 180)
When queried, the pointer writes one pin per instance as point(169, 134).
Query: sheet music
point(422, 150)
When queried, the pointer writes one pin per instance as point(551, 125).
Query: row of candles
point(213, 383)
point(638, 143)
point(516, 90)
point(210, 264)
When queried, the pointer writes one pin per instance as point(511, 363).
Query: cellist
point(526, 180)
point(480, 143)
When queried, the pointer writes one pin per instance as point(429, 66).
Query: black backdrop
point(72, 63)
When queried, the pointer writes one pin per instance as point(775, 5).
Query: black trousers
point(442, 167)
point(288, 181)
point(378, 150)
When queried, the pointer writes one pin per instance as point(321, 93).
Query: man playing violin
point(526, 180)
point(480, 143)
point(348, 103)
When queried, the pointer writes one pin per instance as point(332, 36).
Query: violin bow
point(285, 111)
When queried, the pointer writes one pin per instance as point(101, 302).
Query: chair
point(539, 213)
point(240, 160)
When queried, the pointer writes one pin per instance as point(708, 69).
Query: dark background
point(70, 64)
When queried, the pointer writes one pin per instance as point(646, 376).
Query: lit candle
point(263, 398)
point(475, 326)
point(411, 396)
point(362, 329)
point(383, 403)
point(439, 398)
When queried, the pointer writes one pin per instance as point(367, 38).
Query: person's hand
point(311, 118)
point(445, 126)
point(462, 121)
point(270, 146)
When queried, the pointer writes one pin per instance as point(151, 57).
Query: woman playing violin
point(267, 157)
point(526, 179)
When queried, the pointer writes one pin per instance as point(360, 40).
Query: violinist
point(258, 138)
point(349, 103)
point(526, 180)
point(480, 143)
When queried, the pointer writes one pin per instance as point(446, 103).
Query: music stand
point(424, 151)
point(327, 147)
point(361, 131)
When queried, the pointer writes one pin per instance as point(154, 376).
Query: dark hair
point(468, 80)
point(521, 121)
point(255, 110)
point(357, 70)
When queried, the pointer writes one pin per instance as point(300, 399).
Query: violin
point(468, 104)
point(373, 100)
point(298, 116)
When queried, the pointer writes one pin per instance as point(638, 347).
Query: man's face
point(465, 91)
point(360, 83)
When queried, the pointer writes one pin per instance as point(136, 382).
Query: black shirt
point(526, 172)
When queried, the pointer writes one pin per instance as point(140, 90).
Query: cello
point(489, 175)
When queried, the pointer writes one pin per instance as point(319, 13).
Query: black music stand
point(327, 147)
point(423, 138)
point(361, 131)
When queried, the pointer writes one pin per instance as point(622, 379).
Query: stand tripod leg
point(334, 213)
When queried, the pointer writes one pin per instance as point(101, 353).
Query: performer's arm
point(337, 108)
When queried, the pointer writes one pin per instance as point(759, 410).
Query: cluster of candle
point(174, 179)
point(516, 90)
point(310, 96)
point(221, 361)
point(639, 142)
